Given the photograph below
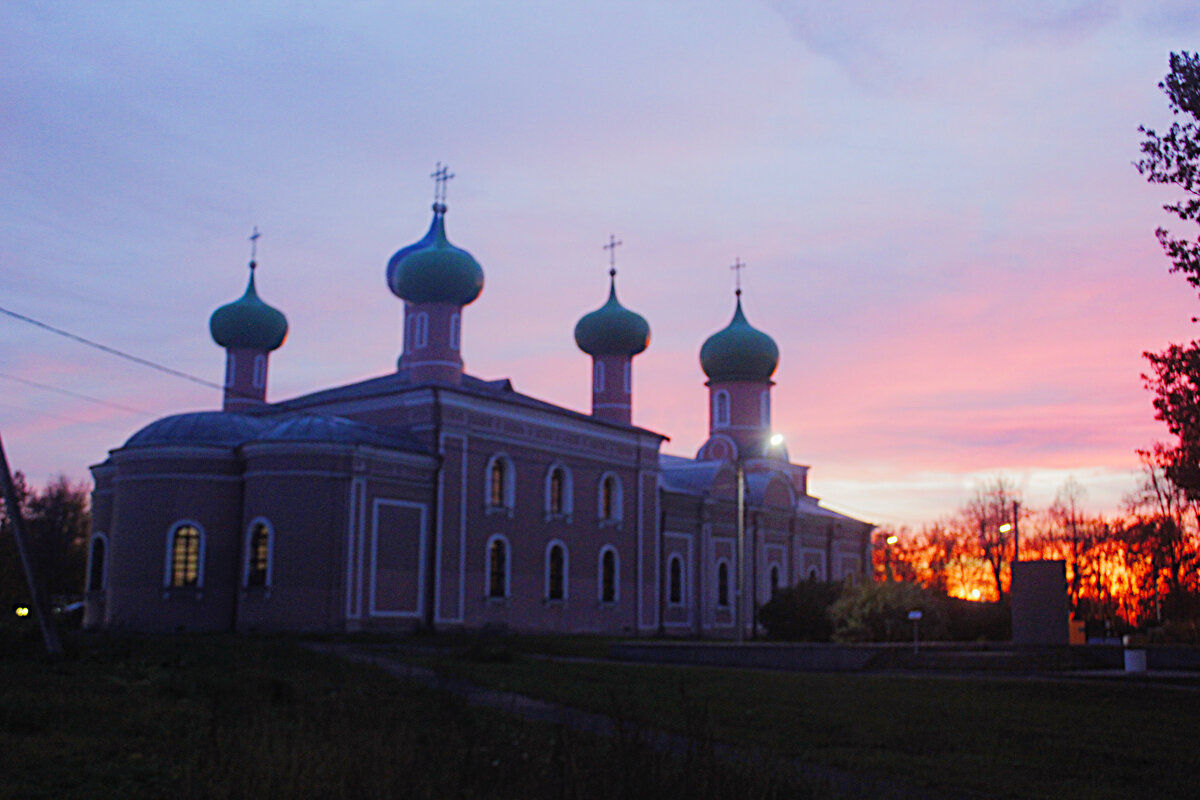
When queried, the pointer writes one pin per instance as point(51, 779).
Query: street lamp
point(774, 440)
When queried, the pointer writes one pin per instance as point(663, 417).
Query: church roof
point(222, 428)
point(434, 271)
point(612, 329)
point(739, 351)
point(248, 323)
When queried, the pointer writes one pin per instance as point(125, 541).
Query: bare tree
point(990, 513)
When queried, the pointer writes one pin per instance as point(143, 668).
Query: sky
point(936, 202)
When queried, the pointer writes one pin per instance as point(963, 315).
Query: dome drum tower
point(612, 335)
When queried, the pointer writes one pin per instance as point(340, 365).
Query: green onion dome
point(248, 323)
point(433, 270)
point(739, 352)
point(612, 329)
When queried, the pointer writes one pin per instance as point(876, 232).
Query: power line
point(110, 350)
point(77, 395)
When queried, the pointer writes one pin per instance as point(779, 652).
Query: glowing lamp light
point(21, 611)
point(776, 439)
point(975, 594)
point(1006, 527)
point(893, 539)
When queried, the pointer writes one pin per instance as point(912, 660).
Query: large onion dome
point(739, 352)
point(433, 270)
point(248, 323)
point(612, 329)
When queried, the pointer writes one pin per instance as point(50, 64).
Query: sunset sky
point(936, 201)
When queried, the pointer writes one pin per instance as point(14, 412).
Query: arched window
point(455, 330)
point(96, 564)
point(721, 409)
point(598, 377)
point(723, 583)
point(814, 574)
point(774, 579)
point(497, 561)
point(609, 501)
point(559, 494)
point(764, 409)
point(422, 329)
point(610, 591)
point(556, 571)
point(500, 490)
point(675, 581)
point(230, 369)
point(185, 567)
point(260, 371)
point(258, 555)
point(628, 377)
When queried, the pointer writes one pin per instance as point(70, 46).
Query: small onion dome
point(248, 323)
point(612, 329)
point(433, 270)
point(739, 352)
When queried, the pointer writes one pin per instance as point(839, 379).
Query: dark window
point(497, 569)
point(608, 577)
point(722, 584)
point(557, 482)
point(608, 498)
point(675, 583)
point(496, 488)
point(554, 576)
point(96, 574)
point(185, 556)
point(259, 555)
point(774, 580)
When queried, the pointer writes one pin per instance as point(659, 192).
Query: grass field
point(1003, 738)
point(228, 717)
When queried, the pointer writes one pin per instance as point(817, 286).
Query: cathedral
point(430, 498)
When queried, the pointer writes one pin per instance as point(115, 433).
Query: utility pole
point(741, 550)
point(25, 548)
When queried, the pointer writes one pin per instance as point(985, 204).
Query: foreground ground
point(232, 717)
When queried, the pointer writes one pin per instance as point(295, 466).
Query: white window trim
point(616, 576)
point(102, 537)
point(167, 587)
point(510, 485)
point(270, 552)
point(422, 330)
point(723, 562)
point(682, 602)
point(568, 499)
point(566, 583)
point(721, 420)
point(260, 371)
point(487, 567)
point(618, 500)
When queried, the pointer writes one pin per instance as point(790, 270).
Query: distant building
point(430, 497)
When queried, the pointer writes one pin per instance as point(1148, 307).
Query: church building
point(431, 498)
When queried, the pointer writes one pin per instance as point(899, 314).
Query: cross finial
point(254, 247)
point(441, 175)
point(738, 266)
point(611, 247)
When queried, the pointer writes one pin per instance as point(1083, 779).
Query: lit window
point(723, 584)
point(258, 555)
point(185, 557)
point(96, 565)
point(556, 572)
point(499, 490)
point(497, 568)
point(721, 409)
point(608, 576)
point(675, 582)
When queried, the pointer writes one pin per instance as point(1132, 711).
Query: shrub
point(801, 612)
point(878, 612)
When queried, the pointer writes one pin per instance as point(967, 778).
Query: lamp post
point(774, 440)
